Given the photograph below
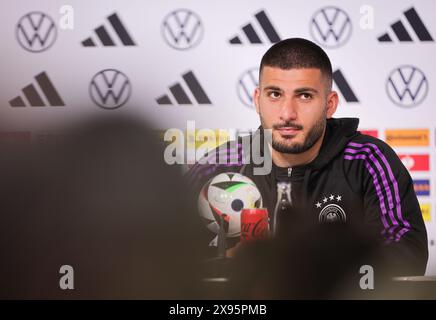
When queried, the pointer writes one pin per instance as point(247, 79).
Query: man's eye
point(305, 96)
point(274, 94)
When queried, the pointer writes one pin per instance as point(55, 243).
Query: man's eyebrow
point(305, 89)
point(272, 88)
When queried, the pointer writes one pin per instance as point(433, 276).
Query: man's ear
point(332, 103)
point(256, 96)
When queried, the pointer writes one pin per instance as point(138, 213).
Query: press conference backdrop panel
point(168, 62)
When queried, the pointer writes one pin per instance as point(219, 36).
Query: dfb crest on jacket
point(330, 210)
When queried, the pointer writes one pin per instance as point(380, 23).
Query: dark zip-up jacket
point(355, 178)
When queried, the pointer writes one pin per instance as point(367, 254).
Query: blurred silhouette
point(103, 201)
point(315, 262)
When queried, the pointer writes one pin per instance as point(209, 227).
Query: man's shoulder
point(226, 154)
point(373, 150)
point(227, 157)
point(366, 142)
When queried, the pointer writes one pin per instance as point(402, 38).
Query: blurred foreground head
point(316, 262)
point(104, 202)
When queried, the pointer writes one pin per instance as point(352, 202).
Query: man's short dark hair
point(298, 53)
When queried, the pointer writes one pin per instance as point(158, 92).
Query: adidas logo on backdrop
point(185, 92)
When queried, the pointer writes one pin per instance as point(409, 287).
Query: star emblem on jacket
point(329, 209)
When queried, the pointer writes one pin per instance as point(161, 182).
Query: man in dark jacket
point(336, 173)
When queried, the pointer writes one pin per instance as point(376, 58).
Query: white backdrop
point(187, 45)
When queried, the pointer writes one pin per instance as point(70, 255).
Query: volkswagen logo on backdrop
point(407, 86)
point(110, 89)
point(330, 27)
point(247, 83)
point(182, 29)
point(36, 31)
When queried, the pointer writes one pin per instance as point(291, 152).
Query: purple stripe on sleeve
point(383, 177)
point(392, 230)
point(376, 185)
point(392, 178)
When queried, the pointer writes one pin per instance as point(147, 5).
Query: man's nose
point(289, 110)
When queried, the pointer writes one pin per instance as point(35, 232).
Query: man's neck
point(286, 160)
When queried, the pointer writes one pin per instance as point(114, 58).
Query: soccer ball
point(227, 193)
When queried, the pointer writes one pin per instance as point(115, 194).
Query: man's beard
point(312, 137)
